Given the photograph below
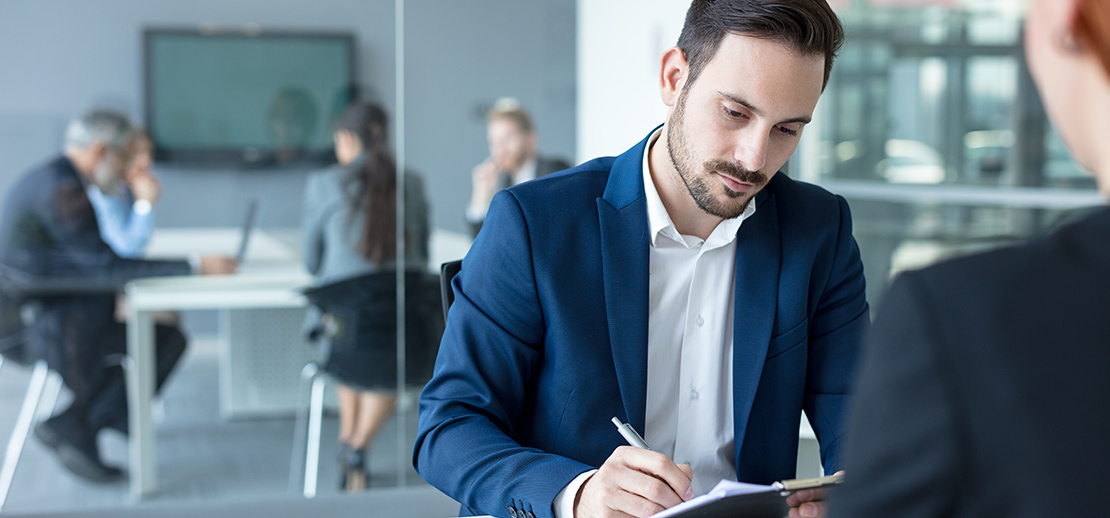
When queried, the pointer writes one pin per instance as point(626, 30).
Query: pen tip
point(616, 421)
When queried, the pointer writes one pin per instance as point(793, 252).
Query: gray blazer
point(331, 232)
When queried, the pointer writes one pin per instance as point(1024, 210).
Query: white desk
point(271, 277)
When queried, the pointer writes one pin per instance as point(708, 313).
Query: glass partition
point(232, 422)
point(462, 60)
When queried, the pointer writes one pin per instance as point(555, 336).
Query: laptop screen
point(248, 228)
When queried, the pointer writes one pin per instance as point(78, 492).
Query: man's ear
point(673, 73)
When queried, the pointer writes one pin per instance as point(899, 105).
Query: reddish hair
point(1093, 29)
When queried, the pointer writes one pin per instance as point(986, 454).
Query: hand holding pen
point(633, 481)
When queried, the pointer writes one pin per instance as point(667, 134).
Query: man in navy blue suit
point(684, 287)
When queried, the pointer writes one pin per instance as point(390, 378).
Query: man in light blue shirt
point(125, 215)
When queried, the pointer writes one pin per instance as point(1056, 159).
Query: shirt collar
point(527, 172)
point(659, 221)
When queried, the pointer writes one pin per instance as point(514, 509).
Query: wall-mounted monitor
point(247, 97)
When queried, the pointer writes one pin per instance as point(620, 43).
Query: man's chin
point(733, 208)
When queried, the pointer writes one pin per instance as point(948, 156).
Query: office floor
point(201, 457)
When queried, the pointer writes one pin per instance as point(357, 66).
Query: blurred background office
point(929, 126)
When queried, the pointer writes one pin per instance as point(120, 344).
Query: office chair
point(448, 271)
point(362, 336)
point(45, 384)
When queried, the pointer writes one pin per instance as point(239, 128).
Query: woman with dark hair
point(349, 228)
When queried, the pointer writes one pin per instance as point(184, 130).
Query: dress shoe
point(76, 449)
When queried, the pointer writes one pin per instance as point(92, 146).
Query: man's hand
point(633, 482)
point(145, 187)
point(809, 503)
point(484, 178)
point(217, 265)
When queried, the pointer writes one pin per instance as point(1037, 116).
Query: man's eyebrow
point(804, 119)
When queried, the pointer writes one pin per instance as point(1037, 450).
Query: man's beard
point(106, 176)
point(678, 147)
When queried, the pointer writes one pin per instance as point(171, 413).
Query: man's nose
point(751, 149)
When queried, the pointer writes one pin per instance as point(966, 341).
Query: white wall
point(620, 43)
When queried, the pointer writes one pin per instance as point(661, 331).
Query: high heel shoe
point(343, 452)
point(355, 476)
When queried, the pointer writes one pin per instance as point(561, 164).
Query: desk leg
point(140, 390)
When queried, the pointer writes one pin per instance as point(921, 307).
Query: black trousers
point(107, 407)
point(84, 344)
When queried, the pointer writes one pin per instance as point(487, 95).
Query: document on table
point(728, 498)
point(723, 489)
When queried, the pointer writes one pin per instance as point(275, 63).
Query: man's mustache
point(740, 173)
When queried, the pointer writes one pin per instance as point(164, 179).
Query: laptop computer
point(246, 231)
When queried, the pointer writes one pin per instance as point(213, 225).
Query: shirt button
point(699, 321)
point(693, 394)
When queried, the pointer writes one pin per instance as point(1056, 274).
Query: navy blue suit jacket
point(547, 337)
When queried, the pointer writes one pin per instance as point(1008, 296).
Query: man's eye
point(787, 131)
point(733, 114)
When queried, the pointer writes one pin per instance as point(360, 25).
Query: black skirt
point(359, 326)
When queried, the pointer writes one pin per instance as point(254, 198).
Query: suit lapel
point(758, 264)
point(622, 212)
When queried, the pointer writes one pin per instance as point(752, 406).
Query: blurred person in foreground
point(49, 233)
point(125, 214)
point(984, 389)
point(513, 158)
point(686, 287)
point(349, 228)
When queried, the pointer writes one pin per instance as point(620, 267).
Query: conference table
point(271, 277)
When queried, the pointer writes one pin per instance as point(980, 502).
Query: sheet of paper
point(723, 489)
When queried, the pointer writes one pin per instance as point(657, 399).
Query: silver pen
point(630, 434)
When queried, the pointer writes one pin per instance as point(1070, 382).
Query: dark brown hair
point(375, 181)
point(1093, 29)
point(807, 26)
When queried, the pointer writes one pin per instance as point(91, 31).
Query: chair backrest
point(362, 331)
point(447, 271)
point(12, 328)
point(21, 293)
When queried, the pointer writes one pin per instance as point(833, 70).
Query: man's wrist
point(567, 500)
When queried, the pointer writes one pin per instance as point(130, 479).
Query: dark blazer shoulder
point(1083, 245)
point(584, 182)
point(1067, 266)
point(44, 178)
point(549, 165)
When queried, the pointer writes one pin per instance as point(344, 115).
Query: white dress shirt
point(689, 383)
point(124, 223)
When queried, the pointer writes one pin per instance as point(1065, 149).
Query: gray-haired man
point(49, 233)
